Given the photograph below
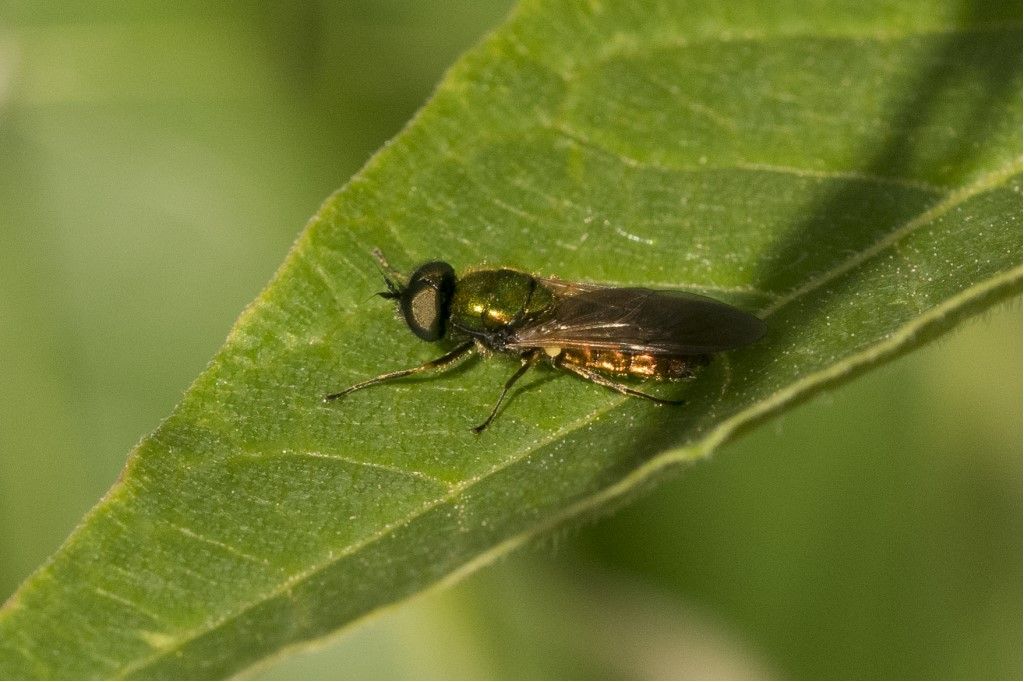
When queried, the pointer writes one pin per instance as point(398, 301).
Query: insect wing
point(564, 287)
point(641, 320)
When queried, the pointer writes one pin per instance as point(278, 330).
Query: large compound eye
point(425, 301)
point(423, 311)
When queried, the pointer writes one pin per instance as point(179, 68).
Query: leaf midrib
point(955, 198)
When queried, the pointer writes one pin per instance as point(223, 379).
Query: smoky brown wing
point(641, 320)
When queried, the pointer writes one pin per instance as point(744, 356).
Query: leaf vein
point(217, 543)
point(909, 183)
point(628, 46)
point(411, 473)
point(126, 602)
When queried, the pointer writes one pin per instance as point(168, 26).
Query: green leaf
point(851, 173)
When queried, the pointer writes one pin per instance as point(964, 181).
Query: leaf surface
point(850, 174)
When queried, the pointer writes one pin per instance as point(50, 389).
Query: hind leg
point(597, 378)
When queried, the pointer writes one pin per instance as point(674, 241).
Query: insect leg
point(528, 360)
point(438, 363)
point(597, 378)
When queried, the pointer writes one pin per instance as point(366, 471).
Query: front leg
point(437, 363)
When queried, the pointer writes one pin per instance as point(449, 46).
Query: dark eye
point(425, 301)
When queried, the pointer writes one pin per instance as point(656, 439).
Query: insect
point(596, 332)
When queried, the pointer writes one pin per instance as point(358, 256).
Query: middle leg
point(528, 360)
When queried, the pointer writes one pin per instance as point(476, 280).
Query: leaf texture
point(850, 173)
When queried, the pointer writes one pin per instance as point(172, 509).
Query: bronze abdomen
point(643, 365)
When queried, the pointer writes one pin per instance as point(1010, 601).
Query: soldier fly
point(595, 332)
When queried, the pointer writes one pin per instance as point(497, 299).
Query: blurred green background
point(155, 164)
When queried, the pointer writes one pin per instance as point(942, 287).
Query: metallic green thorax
point(488, 300)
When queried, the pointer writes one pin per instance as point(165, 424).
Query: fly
point(598, 333)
